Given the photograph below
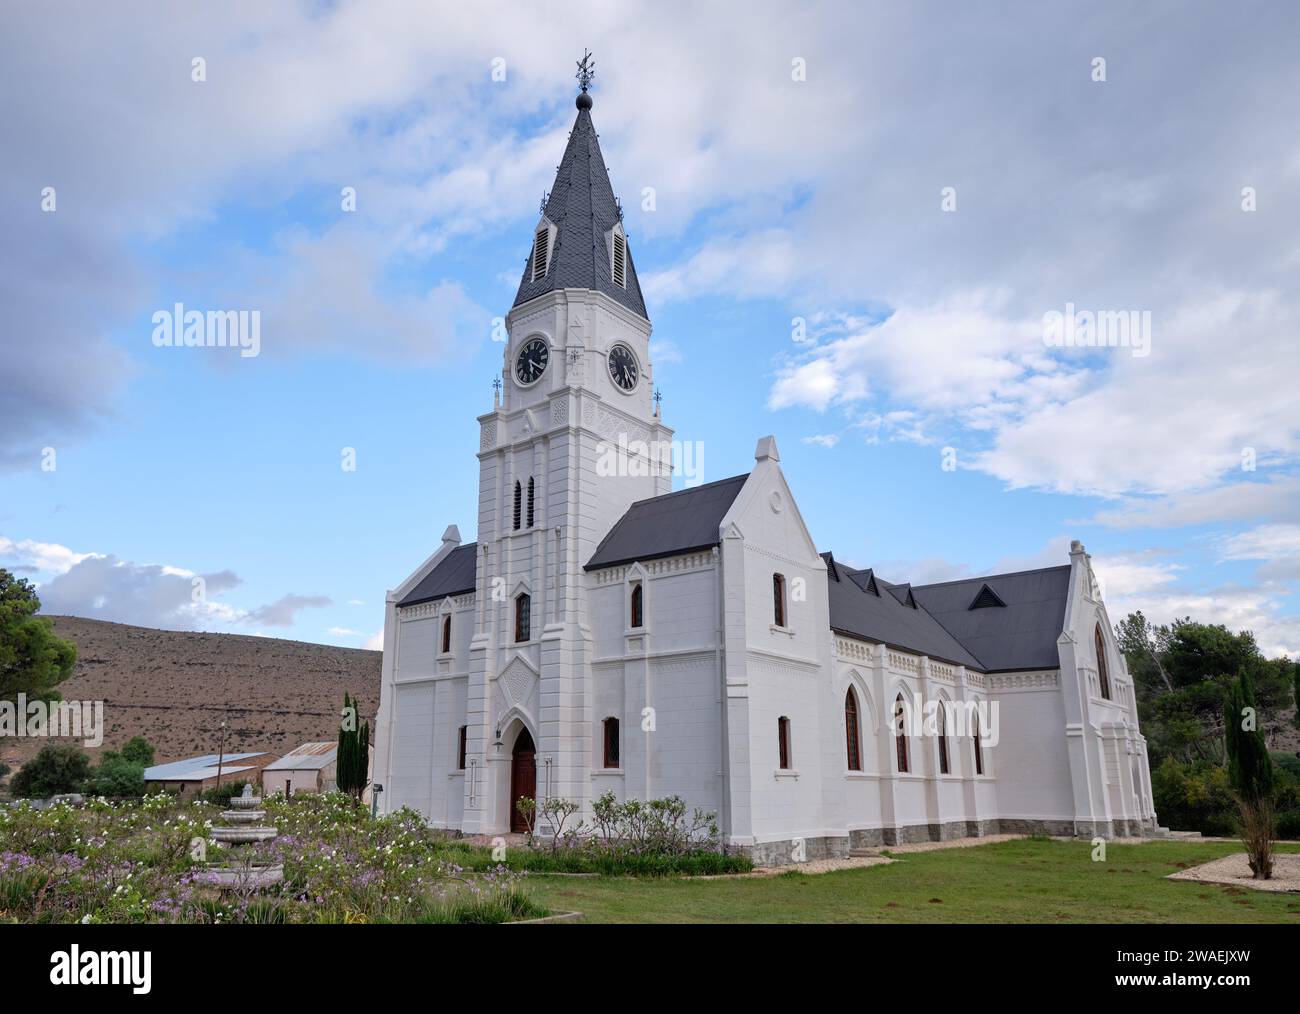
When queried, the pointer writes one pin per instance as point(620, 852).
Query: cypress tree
point(1250, 772)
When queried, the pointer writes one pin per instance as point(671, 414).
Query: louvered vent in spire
point(620, 260)
point(541, 252)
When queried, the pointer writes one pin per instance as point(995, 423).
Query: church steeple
point(580, 243)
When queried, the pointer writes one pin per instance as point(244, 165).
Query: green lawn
point(1017, 881)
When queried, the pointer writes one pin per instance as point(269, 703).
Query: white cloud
point(375, 642)
point(823, 439)
point(40, 557)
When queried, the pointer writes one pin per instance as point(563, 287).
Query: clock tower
point(573, 439)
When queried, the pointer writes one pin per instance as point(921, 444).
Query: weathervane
point(586, 69)
point(659, 397)
point(546, 196)
point(496, 385)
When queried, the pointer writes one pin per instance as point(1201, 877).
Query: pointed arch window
point(530, 502)
point(541, 251)
point(1103, 675)
point(853, 752)
point(900, 734)
point(523, 628)
point(636, 619)
point(979, 750)
point(518, 502)
point(446, 633)
point(778, 599)
point(783, 742)
point(942, 718)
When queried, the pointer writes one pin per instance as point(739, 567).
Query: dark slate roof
point(454, 575)
point(1022, 633)
point(582, 207)
point(886, 617)
point(666, 525)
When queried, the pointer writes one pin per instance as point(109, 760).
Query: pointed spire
point(581, 212)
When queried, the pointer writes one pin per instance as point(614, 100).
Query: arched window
point(942, 718)
point(530, 502)
point(460, 748)
point(778, 599)
point(783, 742)
point(1102, 675)
point(518, 498)
point(446, 633)
point(611, 742)
point(900, 734)
point(853, 753)
point(636, 617)
point(979, 750)
point(522, 629)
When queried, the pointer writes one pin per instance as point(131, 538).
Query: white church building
point(607, 634)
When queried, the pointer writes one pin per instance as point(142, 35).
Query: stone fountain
point(242, 827)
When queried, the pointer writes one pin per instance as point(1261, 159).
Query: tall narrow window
point(530, 502)
point(854, 754)
point(611, 742)
point(446, 633)
point(522, 629)
point(900, 734)
point(778, 599)
point(541, 250)
point(783, 741)
point(942, 719)
point(1103, 675)
point(636, 618)
point(620, 260)
point(460, 747)
point(979, 750)
point(518, 500)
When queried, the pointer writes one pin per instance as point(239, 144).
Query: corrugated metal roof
point(1021, 633)
point(666, 525)
point(308, 757)
point(194, 769)
point(456, 574)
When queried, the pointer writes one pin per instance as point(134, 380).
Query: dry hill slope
point(173, 687)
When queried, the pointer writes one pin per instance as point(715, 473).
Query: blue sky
point(775, 198)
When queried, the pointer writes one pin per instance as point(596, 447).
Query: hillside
point(173, 688)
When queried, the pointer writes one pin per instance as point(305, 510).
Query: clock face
point(532, 360)
point(623, 368)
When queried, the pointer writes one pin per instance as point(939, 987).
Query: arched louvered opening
point(620, 260)
point(541, 252)
point(518, 504)
point(852, 743)
point(530, 502)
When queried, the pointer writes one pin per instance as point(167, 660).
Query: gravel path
point(1235, 870)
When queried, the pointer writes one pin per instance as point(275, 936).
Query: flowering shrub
point(132, 862)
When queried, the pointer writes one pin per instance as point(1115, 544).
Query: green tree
point(139, 750)
point(33, 659)
point(1295, 693)
point(1181, 673)
point(352, 764)
point(58, 768)
point(117, 776)
point(1250, 772)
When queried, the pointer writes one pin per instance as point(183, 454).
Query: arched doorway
point(523, 779)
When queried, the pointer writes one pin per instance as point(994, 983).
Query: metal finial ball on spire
point(586, 71)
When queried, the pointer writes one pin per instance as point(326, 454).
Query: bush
point(57, 769)
point(1288, 825)
point(4, 769)
point(222, 794)
point(1194, 797)
point(117, 777)
point(139, 750)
